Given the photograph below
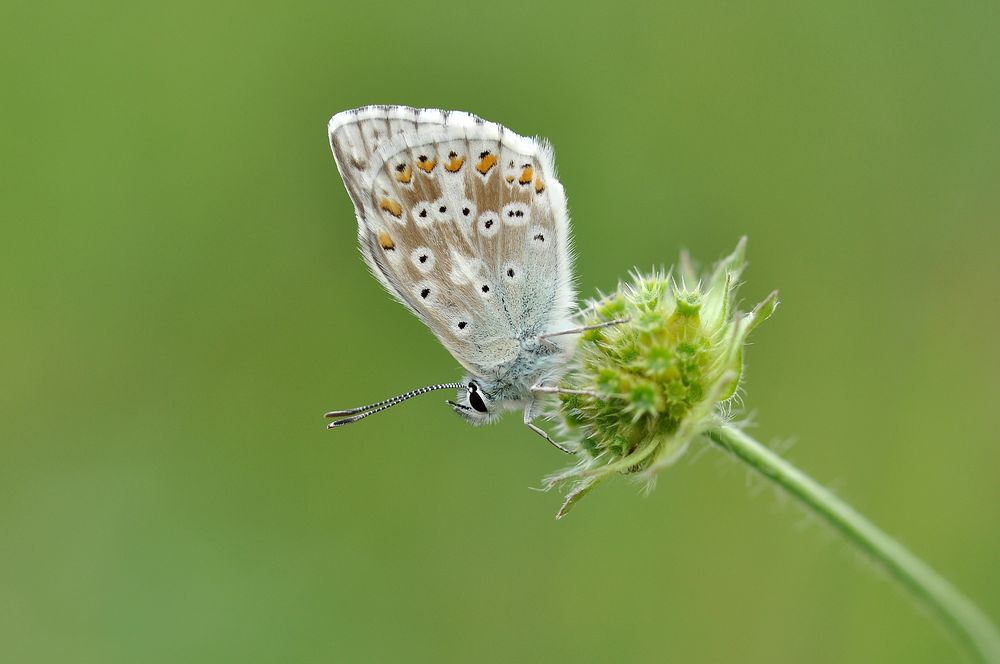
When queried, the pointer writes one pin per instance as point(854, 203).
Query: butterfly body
point(465, 223)
point(508, 386)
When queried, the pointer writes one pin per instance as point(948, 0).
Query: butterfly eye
point(475, 400)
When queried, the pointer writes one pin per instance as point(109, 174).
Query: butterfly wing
point(463, 221)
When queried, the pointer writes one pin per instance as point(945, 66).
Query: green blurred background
point(183, 299)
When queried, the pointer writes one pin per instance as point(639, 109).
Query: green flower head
point(644, 388)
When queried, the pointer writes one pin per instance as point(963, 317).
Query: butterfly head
point(475, 403)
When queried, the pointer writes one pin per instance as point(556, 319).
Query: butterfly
point(465, 223)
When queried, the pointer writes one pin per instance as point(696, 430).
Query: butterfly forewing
point(463, 221)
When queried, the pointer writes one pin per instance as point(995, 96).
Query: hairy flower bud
point(644, 388)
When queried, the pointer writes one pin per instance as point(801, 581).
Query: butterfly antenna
point(356, 414)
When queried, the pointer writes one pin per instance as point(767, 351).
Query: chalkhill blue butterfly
point(465, 223)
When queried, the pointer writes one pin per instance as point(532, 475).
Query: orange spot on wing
point(426, 165)
point(404, 175)
point(455, 163)
point(486, 163)
point(527, 173)
point(539, 186)
point(386, 241)
point(510, 178)
point(391, 206)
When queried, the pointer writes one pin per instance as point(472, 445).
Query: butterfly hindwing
point(461, 220)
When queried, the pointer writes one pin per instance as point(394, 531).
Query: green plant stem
point(957, 613)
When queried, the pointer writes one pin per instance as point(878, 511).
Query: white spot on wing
point(422, 259)
point(441, 210)
point(461, 325)
point(488, 223)
point(538, 238)
point(423, 214)
point(466, 214)
point(426, 293)
point(516, 214)
point(511, 272)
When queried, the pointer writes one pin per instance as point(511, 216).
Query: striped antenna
point(356, 414)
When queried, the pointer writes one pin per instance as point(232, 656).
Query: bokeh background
point(183, 299)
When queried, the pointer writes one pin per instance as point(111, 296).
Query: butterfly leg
point(541, 432)
point(585, 328)
point(542, 389)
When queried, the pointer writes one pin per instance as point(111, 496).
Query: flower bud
point(644, 388)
